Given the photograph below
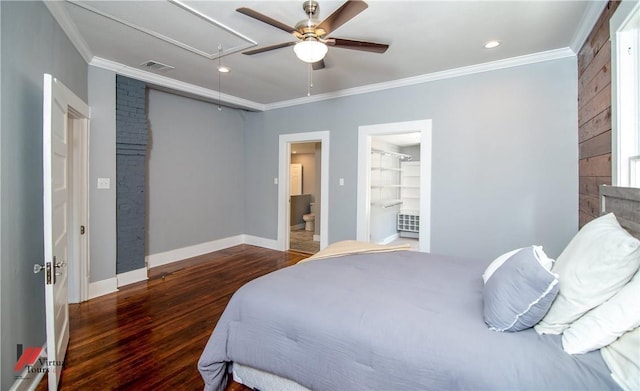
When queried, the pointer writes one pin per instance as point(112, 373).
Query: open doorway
point(291, 218)
point(394, 183)
point(304, 195)
point(395, 189)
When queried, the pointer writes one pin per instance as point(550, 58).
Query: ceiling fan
point(312, 34)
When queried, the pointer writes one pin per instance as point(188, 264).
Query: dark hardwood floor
point(149, 335)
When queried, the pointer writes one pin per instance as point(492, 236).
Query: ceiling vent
point(156, 66)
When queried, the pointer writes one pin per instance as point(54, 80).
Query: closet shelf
point(401, 156)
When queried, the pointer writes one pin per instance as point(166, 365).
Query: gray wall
point(32, 44)
point(504, 153)
point(196, 173)
point(102, 152)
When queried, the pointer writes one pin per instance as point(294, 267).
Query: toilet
point(309, 218)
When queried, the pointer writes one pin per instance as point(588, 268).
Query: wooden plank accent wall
point(594, 115)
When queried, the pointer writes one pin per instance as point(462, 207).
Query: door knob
point(37, 268)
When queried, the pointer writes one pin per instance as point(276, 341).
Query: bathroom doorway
point(387, 188)
point(304, 193)
point(303, 188)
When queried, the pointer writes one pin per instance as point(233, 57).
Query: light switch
point(275, 181)
point(341, 181)
point(104, 183)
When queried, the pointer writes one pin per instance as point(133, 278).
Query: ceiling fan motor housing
point(310, 7)
point(307, 27)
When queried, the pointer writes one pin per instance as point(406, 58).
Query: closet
point(395, 191)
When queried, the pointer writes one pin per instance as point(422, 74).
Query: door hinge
point(82, 230)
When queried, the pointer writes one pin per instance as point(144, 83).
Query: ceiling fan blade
point(267, 48)
point(342, 15)
point(358, 45)
point(318, 65)
point(265, 19)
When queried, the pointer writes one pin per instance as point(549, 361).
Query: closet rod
point(401, 156)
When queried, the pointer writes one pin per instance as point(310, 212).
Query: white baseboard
point(261, 242)
point(103, 287)
point(131, 277)
point(180, 254)
point(390, 239)
point(28, 381)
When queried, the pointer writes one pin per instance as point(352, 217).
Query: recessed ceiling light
point(491, 44)
point(223, 69)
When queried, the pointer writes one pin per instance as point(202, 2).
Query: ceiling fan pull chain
point(219, 78)
point(309, 79)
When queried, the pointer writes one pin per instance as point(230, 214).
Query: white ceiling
point(425, 38)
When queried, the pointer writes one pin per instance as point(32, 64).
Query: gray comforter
point(388, 321)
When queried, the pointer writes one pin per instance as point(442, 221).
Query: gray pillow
point(519, 293)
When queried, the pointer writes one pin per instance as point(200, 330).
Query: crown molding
point(60, 14)
point(233, 101)
point(451, 73)
point(176, 85)
point(589, 19)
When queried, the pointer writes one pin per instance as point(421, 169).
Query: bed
point(403, 320)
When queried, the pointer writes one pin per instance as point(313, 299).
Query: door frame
point(78, 267)
point(284, 162)
point(365, 133)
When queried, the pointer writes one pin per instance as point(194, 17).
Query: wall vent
point(157, 66)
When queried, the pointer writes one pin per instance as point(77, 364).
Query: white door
point(59, 106)
point(295, 182)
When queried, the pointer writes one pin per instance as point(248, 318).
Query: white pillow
point(596, 264)
point(623, 359)
point(603, 324)
point(544, 260)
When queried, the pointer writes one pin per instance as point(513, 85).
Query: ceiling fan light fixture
point(310, 50)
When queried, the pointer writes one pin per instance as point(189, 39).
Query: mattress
point(388, 321)
point(263, 381)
